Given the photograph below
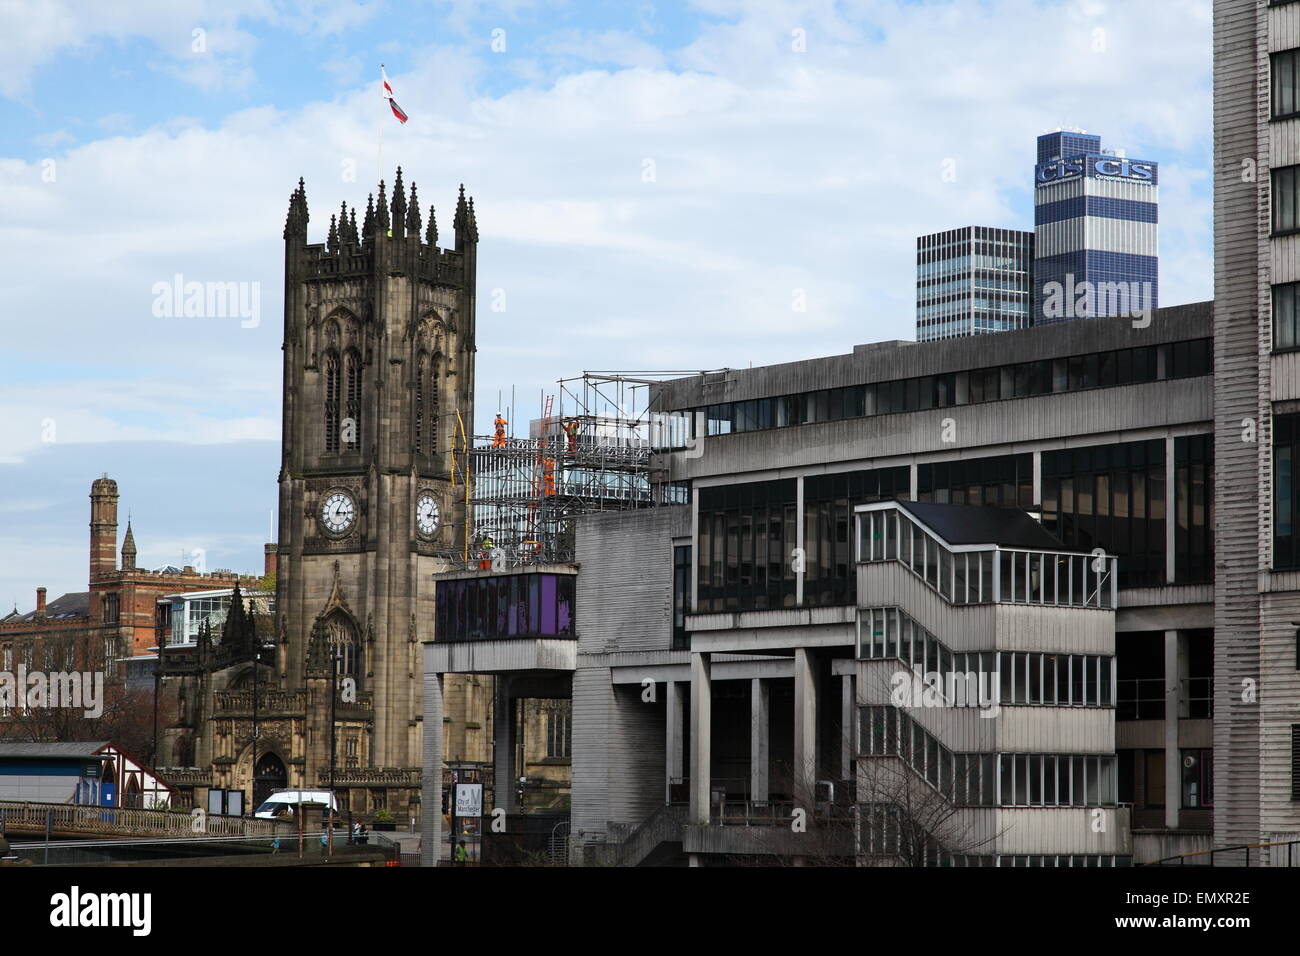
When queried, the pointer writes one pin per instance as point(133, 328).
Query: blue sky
point(795, 148)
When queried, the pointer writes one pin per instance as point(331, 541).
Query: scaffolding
point(589, 451)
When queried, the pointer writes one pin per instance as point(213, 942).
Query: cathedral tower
point(378, 369)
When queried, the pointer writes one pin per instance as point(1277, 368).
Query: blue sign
point(1096, 167)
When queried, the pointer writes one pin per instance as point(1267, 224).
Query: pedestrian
point(457, 853)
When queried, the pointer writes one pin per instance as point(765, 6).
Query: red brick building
point(119, 608)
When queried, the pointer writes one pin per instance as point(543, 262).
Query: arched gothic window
point(420, 364)
point(435, 367)
point(352, 433)
point(345, 645)
point(331, 401)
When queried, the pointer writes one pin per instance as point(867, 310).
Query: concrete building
point(1257, 398)
point(973, 280)
point(716, 665)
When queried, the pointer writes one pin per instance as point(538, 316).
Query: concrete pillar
point(431, 777)
point(701, 737)
point(848, 725)
point(503, 747)
point(760, 750)
point(673, 737)
point(1175, 707)
point(805, 724)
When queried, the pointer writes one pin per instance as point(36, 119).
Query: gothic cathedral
point(378, 388)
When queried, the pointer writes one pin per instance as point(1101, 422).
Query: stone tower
point(378, 370)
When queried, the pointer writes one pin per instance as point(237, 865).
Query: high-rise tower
point(1095, 221)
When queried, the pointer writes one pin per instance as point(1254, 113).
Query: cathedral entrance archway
point(268, 776)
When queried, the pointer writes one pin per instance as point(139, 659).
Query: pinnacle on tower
point(399, 207)
point(295, 223)
point(128, 549)
point(344, 236)
point(413, 223)
point(381, 209)
point(431, 234)
point(332, 240)
point(461, 223)
point(352, 228)
point(368, 224)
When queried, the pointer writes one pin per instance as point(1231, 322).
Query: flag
point(388, 95)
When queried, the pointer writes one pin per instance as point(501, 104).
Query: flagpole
point(380, 157)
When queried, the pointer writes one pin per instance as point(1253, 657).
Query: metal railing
point(1141, 698)
point(985, 574)
point(30, 817)
point(1282, 854)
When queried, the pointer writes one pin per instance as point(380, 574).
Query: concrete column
point(505, 776)
point(759, 738)
point(1038, 481)
point(848, 725)
point(431, 777)
point(1175, 707)
point(701, 737)
point(673, 738)
point(805, 723)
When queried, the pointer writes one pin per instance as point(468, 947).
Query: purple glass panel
point(548, 604)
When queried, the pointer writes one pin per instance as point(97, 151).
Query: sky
point(656, 186)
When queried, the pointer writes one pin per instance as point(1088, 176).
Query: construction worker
point(571, 429)
point(499, 432)
point(485, 556)
point(548, 477)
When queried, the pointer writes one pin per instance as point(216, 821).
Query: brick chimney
point(103, 526)
point(270, 556)
point(40, 602)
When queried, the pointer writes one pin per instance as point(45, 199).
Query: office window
point(746, 537)
point(1285, 319)
point(681, 595)
point(1295, 761)
point(1194, 509)
point(1286, 80)
point(830, 577)
point(1005, 481)
point(1286, 440)
point(1286, 196)
point(1111, 497)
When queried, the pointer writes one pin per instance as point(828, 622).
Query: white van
point(289, 800)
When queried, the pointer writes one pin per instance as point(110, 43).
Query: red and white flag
point(388, 95)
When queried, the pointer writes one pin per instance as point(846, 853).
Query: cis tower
point(1095, 219)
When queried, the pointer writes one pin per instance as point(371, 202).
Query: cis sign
point(1111, 167)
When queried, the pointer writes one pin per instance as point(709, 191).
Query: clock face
point(339, 513)
point(426, 515)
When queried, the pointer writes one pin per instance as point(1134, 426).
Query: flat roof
point(982, 524)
